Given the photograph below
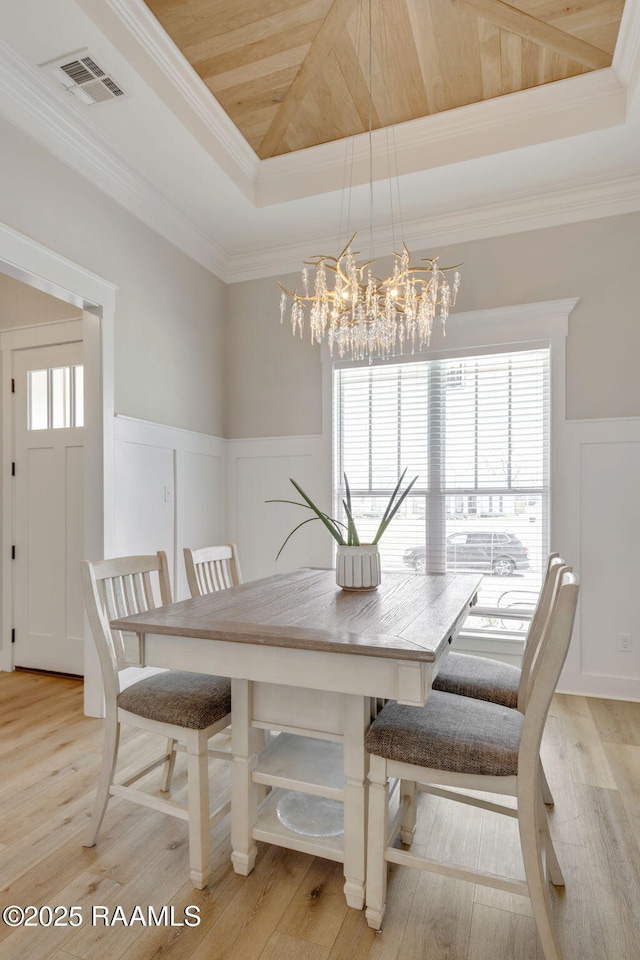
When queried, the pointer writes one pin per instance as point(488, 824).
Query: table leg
point(357, 717)
point(246, 742)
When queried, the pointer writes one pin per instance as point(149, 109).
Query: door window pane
point(37, 400)
point(78, 396)
point(60, 397)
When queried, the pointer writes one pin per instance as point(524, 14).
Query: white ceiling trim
point(28, 101)
point(593, 101)
point(175, 75)
point(565, 203)
point(596, 100)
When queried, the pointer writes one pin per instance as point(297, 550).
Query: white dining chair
point(462, 743)
point(212, 568)
point(493, 680)
point(187, 709)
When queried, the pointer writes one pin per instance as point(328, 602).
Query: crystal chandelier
point(363, 316)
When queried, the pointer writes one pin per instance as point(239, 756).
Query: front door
point(48, 526)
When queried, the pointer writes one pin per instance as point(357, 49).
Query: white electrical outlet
point(625, 643)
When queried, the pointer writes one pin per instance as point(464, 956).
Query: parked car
point(502, 553)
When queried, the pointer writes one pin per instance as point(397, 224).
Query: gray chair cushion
point(193, 700)
point(480, 678)
point(451, 733)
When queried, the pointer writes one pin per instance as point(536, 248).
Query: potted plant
point(357, 563)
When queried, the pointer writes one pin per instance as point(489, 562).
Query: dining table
point(310, 664)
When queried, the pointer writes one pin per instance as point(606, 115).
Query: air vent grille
point(82, 76)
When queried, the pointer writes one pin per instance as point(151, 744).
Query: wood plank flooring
point(291, 907)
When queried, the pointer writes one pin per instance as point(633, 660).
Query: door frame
point(36, 265)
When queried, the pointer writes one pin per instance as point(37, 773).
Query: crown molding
point(131, 26)
point(566, 108)
point(28, 101)
point(563, 203)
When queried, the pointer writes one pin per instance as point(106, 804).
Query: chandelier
point(360, 315)
point(363, 316)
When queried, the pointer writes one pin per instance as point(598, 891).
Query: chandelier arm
point(338, 270)
point(432, 260)
point(317, 260)
point(347, 247)
point(294, 295)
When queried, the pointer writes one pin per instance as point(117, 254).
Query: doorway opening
point(94, 298)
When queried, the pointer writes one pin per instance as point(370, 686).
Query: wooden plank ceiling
point(295, 73)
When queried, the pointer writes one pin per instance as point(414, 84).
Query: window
point(55, 398)
point(477, 434)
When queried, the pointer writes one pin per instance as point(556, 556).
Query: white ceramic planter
point(358, 568)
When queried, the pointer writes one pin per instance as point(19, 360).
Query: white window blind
point(476, 432)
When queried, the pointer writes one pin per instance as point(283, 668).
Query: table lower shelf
point(270, 829)
point(304, 764)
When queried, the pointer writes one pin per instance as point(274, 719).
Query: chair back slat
point(129, 593)
point(555, 568)
point(107, 603)
point(225, 575)
point(548, 663)
point(212, 568)
point(118, 588)
point(206, 578)
point(539, 653)
point(138, 588)
point(542, 607)
point(120, 604)
point(148, 591)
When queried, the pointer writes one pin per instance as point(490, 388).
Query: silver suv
point(501, 553)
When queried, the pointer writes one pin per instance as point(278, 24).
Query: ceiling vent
point(82, 76)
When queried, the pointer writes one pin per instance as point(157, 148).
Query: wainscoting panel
point(170, 492)
point(259, 470)
point(144, 513)
point(201, 502)
point(598, 530)
point(609, 558)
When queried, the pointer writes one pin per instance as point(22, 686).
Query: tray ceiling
point(293, 74)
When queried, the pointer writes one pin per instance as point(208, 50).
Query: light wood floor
point(291, 907)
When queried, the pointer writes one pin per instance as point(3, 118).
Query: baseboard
point(596, 685)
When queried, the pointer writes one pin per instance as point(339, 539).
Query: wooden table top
point(409, 616)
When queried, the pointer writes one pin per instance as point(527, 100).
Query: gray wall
point(275, 381)
point(170, 312)
point(22, 306)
